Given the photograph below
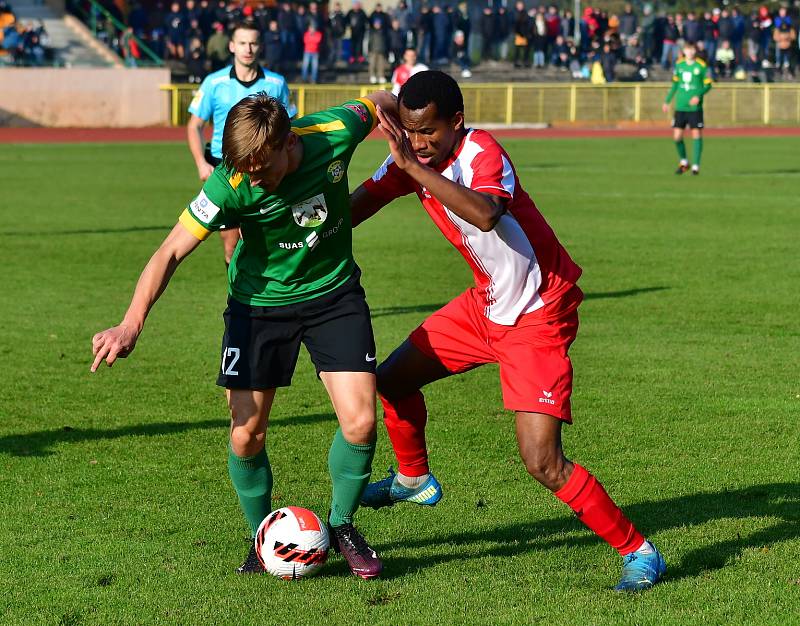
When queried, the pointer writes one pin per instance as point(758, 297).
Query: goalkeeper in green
point(690, 82)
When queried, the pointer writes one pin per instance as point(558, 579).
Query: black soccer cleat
point(695, 171)
point(360, 556)
point(252, 564)
point(681, 169)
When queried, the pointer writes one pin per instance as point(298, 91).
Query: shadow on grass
point(625, 293)
point(430, 308)
point(41, 443)
point(775, 500)
point(86, 231)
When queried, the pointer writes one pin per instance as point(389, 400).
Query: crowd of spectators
point(22, 43)
point(591, 45)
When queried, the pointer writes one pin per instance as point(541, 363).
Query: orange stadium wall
point(85, 97)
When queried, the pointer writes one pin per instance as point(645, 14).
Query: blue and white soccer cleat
point(641, 569)
point(389, 490)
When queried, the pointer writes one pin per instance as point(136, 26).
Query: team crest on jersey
point(687, 77)
point(359, 110)
point(310, 213)
point(336, 171)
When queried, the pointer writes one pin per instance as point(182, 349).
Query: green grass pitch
point(115, 505)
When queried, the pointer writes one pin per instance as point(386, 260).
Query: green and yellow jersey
point(689, 79)
point(296, 241)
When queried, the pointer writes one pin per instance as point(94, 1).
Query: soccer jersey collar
point(249, 83)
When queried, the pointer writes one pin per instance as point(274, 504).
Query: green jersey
point(296, 241)
point(689, 80)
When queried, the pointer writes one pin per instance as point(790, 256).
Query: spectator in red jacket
point(312, 40)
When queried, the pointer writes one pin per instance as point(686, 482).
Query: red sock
point(584, 494)
point(405, 421)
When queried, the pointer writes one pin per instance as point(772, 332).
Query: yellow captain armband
point(193, 226)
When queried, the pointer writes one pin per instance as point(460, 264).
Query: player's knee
point(390, 386)
point(359, 428)
point(246, 442)
point(545, 465)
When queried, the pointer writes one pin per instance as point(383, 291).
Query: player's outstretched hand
point(204, 170)
point(665, 108)
point(399, 145)
point(112, 344)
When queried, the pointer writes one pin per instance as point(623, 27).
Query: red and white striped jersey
point(519, 266)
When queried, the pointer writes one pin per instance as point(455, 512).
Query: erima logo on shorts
point(547, 397)
point(203, 209)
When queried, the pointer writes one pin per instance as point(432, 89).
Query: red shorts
point(535, 370)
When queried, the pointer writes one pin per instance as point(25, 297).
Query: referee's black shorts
point(210, 158)
point(261, 343)
point(692, 119)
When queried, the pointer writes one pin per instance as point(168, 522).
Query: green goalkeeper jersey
point(296, 241)
point(689, 80)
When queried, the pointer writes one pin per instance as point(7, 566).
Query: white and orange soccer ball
point(292, 542)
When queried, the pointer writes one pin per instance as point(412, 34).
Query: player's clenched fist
point(204, 170)
point(112, 344)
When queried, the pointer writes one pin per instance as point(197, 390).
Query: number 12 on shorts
point(230, 356)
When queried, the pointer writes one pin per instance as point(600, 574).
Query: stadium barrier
point(728, 104)
point(85, 97)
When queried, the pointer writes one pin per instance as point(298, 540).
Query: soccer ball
point(292, 542)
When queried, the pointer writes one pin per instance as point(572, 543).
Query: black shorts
point(261, 343)
point(211, 158)
point(692, 119)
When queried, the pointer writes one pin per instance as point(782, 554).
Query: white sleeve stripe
point(383, 169)
point(490, 187)
point(508, 176)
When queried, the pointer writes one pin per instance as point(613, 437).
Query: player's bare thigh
point(249, 410)
point(539, 440)
point(406, 371)
point(353, 397)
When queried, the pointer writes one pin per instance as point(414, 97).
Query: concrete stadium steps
point(487, 72)
point(72, 42)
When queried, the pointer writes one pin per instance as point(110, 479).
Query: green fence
point(728, 104)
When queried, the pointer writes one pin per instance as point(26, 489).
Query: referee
point(218, 93)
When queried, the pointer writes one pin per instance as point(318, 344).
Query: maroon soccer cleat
point(681, 169)
point(361, 558)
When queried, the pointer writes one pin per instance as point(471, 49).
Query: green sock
point(350, 465)
point(697, 150)
point(681, 147)
point(252, 479)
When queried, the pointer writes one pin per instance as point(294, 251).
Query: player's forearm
point(472, 206)
point(194, 137)
point(386, 100)
point(153, 281)
point(706, 89)
point(671, 93)
point(363, 205)
point(157, 273)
